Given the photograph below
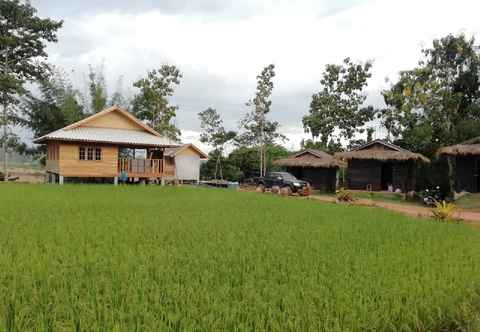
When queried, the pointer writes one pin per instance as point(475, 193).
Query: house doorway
point(386, 176)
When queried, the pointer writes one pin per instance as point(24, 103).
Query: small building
point(467, 164)
point(187, 160)
point(314, 166)
point(379, 165)
point(108, 145)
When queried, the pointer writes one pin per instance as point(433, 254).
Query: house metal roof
point(172, 152)
point(108, 135)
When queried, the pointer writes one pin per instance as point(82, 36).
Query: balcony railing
point(137, 168)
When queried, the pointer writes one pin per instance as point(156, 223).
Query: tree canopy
point(152, 104)
point(338, 106)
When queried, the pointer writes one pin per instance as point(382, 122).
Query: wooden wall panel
point(466, 171)
point(71, 166)
point(361, 173)
point(113, 120)
point(52, 163)
point(323, 179)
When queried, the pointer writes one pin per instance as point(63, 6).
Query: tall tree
point(151, 103)
point(97, 89)
point(258, 130)
point(338, 105)
point(55, 106)
point(215, 135)
point(23, 39)
point(438, 102)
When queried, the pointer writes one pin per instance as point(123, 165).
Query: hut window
point(98, 153)
point(81, 153)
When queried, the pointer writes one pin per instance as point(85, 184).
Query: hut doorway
point(386, 176)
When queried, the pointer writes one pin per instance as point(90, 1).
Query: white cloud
point(221, 58)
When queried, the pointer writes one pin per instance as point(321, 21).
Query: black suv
point(282, 180)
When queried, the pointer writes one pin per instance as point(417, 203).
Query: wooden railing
point(141, 167)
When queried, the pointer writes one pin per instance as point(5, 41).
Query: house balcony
point(144, 168)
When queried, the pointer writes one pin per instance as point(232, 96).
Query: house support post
point(162, 181)
point(52, 178)
point(115, 181)
point(60, 180)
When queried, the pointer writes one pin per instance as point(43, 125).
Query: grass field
point(469, 202)
point(150, 258)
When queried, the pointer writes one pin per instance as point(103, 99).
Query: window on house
point(90, 153)
point(98, 153)
point(81, 153)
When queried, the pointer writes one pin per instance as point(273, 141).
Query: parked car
point(282, 181)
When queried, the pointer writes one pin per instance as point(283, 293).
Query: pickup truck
point(282, 181)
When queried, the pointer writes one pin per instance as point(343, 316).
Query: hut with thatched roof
point(467, 164)
point(379, 165)
point(314, 166)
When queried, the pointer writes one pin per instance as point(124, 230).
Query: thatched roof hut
point(380, 165)
point(309, 158)
point(315, 166)
point(467, 148)
point(467, 164)
point(381, 151)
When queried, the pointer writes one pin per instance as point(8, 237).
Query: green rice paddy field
point(149, 258)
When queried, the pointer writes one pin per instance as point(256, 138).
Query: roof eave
point(44, 140)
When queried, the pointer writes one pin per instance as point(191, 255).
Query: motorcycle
point(430, 197)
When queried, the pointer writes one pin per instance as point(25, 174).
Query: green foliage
point(56, 106)
point(332, 146)
point(242, 163)
point(213, 131)
point(151, 103)
point(155, 259)
point(214, 134)
point(338, 105)
point(23, 40)
point(437, 103)
point(344, 196)
point(443, 211)
point(258, 131)
point(97, 89)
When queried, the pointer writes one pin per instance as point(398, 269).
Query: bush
point(344, 196)
point(443, 211)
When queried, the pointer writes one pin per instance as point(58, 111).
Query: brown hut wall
point(403, 176)
point(466, 171)
point(362, 173)
point(323, 179)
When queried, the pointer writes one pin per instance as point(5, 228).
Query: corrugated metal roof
point(109, 135)
point(172, 152)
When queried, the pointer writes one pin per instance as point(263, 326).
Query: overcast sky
point(221, 45)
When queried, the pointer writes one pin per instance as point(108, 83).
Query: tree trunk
point(451, 176)
point(5, 124)
point(4, 142)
